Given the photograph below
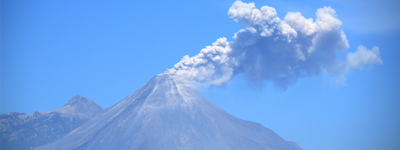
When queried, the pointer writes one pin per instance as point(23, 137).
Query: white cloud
point(270, 49)
point(300, 23)
point(363, 56)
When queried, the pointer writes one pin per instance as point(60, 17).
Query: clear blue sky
point(104, 50)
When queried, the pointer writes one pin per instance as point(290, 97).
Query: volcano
point(166, 113)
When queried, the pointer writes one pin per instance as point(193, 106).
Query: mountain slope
point(166, 114)
point(21, 131)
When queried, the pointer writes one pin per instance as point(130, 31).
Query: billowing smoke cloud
point(271, 49)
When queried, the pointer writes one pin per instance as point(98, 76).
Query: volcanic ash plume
point(271, 49)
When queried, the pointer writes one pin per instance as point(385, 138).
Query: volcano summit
point(165, 113)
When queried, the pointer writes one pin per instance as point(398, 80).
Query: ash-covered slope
point(166, 114)
point(20, 131)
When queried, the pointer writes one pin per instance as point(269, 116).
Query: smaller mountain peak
point(79, 105)
point(77, 99)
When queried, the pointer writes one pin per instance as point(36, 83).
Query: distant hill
point(20, 131)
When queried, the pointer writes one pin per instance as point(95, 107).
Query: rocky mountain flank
point(20, 131)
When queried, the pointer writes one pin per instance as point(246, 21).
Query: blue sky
point(53, 50)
